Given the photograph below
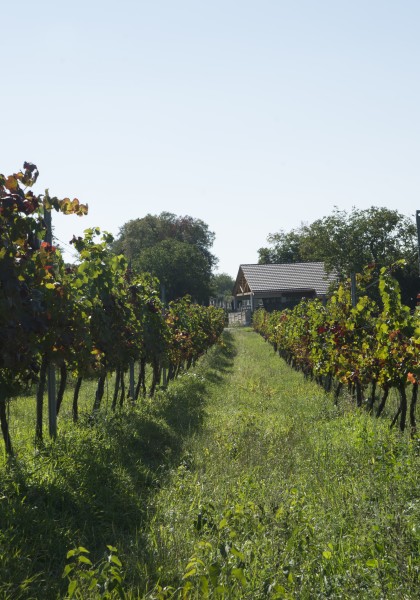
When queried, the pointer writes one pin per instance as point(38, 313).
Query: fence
point(242, 317)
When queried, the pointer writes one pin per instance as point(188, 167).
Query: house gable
point(280, 285)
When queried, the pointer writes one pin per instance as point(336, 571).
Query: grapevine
point(364, 347)
point(92, 319)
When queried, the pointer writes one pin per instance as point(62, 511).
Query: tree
point(175, 249)
point(285, 247)
point(348, 241)
point(180, 267)
point(222, 286)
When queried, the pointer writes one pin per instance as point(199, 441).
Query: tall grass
point(284, 495)
point(240, 481)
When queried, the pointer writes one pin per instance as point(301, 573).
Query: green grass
point(283, 495)
point(243, 480)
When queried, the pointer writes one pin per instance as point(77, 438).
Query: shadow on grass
point(94, 485)
point(222, 362)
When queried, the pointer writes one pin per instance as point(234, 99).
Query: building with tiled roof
point(275, 287)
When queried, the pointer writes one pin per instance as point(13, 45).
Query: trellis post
point(131, 392)
point(163, 298)
point(418, 234)
point(52, 398)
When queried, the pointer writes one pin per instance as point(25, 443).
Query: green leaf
point(67, 569)
point(93, 584)
point(72, 588)
point(237, 553)
point(204, 587)
point(190, 574)
point(116, 575)
point(239, 575)
point(187, 587)
point(115, 560)
point(372, 563)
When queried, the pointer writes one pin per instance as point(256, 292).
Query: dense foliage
point(347, 241)
point(365, 347)
point(32, 300)
point(222, 287)
point(94, 318)
point(175, 249)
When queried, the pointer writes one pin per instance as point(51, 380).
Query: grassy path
point(241, 481)
point(281, 495)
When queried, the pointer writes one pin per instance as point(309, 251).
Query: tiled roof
point(286, 277)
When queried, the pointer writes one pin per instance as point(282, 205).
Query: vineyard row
point(89, 319)
point(371, 348)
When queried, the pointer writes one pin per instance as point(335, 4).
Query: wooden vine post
point(163, 298)
point(418, 233)
point(52, 398)
point(132, 385)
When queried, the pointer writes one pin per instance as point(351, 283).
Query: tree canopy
point(348, 241)
point(222, 286)
point(175, 249)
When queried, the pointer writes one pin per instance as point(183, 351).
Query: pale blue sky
point(253, 116)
